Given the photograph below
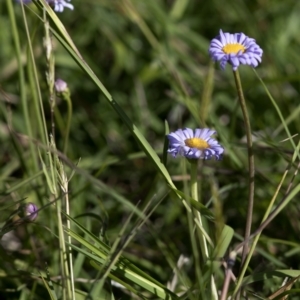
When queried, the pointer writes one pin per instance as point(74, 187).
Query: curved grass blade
point(66, 41)
point(270, 274)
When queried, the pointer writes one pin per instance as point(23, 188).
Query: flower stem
point(202, 239)
point(67, 97)
point(250, 161)
point(194, 194)
point(256, 238)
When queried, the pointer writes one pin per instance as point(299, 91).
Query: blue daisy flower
point(196, 144)
point(236, 49)
point(58, 5)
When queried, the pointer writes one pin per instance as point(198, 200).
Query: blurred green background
point(152, 56)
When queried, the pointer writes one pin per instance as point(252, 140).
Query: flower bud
point(60, 86)
point(29, 211)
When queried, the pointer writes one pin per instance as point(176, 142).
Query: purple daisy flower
point(194, 144)
point(236, 49)
point(58, 5)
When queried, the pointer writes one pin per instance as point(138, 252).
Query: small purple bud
point(61, 86)
point(29, 211)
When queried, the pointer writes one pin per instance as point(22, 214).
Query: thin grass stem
point(252, 248)
point(69, 118)
point(70, 256)
point(268, 216)
point(67, 289)
point(250, 161)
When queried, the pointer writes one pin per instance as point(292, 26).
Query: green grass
point(116, 218)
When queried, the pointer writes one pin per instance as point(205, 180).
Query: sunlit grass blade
point(223, 242)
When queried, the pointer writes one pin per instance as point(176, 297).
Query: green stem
point(66, 138)
point(250, 161)
point(67, 290)
point(195, 250)
point(253, 246)
point(202, 239)
point(194, 194)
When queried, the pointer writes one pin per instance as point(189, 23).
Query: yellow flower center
point(197, 143)
point(233, 48)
